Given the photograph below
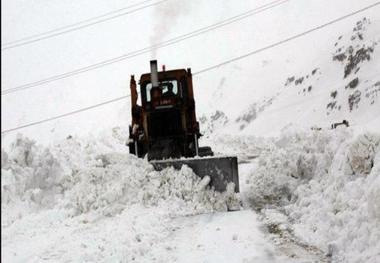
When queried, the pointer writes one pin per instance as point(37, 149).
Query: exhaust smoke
point(166, 17)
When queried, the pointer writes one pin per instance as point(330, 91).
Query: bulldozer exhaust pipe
point(154, 73)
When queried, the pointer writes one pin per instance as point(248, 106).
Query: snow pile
point(79, 184)
point(82, 176)
point(28, 179)
point(119, 180)
point(327, 184)
point(244, 147)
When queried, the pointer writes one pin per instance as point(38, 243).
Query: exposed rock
point(334, 94)
point(289, 80)
point(373, 92)
point(299, 80)
point(340, 57)
point(355, 59)
point(331, 105)
point(354, 99)
point(356, 53)
point(353, 83)
point(314, 71)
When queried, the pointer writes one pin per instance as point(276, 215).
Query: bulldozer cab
point(166, 120)
point(172, 89)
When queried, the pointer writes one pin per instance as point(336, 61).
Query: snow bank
point(88, 180)
point(327, 184)
point(244, 147)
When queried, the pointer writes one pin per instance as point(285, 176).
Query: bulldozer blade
point(221, 170)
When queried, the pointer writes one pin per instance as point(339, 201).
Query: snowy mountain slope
point(343, 85)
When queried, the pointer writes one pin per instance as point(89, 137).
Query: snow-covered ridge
point(343, 85)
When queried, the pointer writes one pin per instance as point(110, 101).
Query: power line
point(65, 115)
point(74, 24)
point(147, 49)
point(127, 96)
point(197, 73)
point(54, 32)
point(286, 40)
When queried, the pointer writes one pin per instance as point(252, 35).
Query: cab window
point(168, 87)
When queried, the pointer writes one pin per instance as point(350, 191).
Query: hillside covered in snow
point(344, 84)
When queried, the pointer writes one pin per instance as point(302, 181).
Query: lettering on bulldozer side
point(165, 129)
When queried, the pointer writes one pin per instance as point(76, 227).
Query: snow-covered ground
point(89, 200)
point(319, 187)
point(309, 196)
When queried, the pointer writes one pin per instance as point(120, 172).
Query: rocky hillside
point(345, 85)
